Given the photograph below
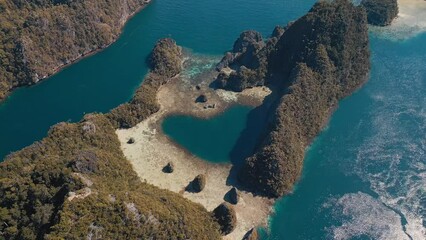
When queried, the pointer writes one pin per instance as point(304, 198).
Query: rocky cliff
point(315, 61)
point(39, 37)
point(381, 12)
point(77, 184)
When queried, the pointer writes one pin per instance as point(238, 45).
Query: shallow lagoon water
point(364, 176)
point(212, 139)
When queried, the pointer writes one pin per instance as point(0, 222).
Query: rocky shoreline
point(311, 72)
point(31, 75)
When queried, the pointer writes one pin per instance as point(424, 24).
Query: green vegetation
point(315, 61)
point(381, 12)
point(77, 184)
point(39, 36)
point(227, 218)
point(166, 58)
point(166, 62)
point(84, 161)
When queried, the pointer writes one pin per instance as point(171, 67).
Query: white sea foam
point(393, 159)
point(365, 216)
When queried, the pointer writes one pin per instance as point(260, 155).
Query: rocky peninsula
point(312, 63)
point(38, 38)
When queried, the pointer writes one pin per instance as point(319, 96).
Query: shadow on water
point(250, 139)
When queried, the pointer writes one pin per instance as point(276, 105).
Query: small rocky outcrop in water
point(381, 12)
point(169, 168)
point(166, 58)
point(312, 63)
point(198, 184)
point(226, 217)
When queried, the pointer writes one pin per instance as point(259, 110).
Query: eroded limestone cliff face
point(39, 37)
point(314, 62)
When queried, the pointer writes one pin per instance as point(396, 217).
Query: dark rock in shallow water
point(233, 196)
point(251, 235)
point(201, 99)
point(381, 12)
point(198, 184)
point(169, 168)
point(131, 141)
point(226, 217)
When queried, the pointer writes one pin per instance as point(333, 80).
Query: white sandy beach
point(152, 150)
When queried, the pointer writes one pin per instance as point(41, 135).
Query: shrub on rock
point(226, 217)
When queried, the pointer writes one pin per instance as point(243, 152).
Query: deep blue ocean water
point(364, 176)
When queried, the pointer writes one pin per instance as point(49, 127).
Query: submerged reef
point(313, 63)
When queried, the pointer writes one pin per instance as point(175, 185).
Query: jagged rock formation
point(77, 184)
point(226, 217)
point(39, 37)
point(381, 12)
point(246, 66)
point(317, 60)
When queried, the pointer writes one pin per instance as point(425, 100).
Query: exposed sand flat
point(411, 21)
point(152, 150)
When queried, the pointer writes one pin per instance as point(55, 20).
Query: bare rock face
point(226, 217)
point(381, 12)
